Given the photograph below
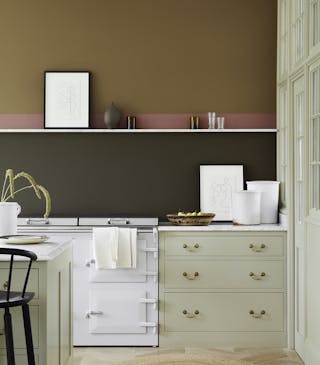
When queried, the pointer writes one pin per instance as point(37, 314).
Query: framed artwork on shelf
point(217, 185)
point(66, 99)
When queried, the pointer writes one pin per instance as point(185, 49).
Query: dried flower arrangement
point(9, 190)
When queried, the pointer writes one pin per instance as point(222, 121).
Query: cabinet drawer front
point(231, 274)
point(223, 312)
point(18, 277)
point(224, 244)
point(18, 328)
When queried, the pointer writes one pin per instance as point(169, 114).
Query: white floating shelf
point(92, 130)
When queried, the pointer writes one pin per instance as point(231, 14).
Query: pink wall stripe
point(150, 121)
point(21, 121)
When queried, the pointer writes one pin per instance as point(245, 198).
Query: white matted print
point(66, 99)
point(217, 185)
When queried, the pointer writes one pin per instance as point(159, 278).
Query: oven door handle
point(37, 221)
point(118, 221)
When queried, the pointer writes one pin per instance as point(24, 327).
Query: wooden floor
point(115, 355)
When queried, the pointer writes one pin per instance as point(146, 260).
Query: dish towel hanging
point(115, 248)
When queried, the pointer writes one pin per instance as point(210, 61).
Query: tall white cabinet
point(298, 116)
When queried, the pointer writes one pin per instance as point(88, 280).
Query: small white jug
point(9, 218)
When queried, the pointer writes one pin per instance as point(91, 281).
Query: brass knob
point(190, 277)
point(257, 315)
point(5, 285)
point(257, 276)
point(196, 245)
point(257, 248)
point(185, 245)
point(190, 315)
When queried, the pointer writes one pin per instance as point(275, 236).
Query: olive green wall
point(149, 56)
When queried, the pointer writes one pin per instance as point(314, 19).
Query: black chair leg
point(28, 333)
point(9, 337)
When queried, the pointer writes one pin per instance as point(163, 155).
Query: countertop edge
point(47, 251)
point(224, 228)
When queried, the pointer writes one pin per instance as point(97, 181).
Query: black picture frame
point(51, 76)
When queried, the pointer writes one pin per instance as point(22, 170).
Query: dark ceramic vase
point(112, 116)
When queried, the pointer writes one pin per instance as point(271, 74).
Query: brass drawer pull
point(257, 248)
point(189, 277)
point(257, 315)
point(257, 276)
point(190, 315)
point(190, 248)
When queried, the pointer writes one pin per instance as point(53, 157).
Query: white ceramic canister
point(269, 199)
point(246, 207)
point(9, 212)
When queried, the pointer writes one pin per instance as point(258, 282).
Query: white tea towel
point(127, 248)
point(134, 233)
point(105, 247)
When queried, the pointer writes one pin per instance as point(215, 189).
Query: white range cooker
point(117, 307)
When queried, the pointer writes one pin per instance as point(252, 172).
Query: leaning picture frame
point(218, 183)
point(66, 99)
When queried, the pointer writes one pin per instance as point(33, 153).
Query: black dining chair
point(21, 298)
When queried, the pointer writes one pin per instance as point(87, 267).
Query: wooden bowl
point(192, 220)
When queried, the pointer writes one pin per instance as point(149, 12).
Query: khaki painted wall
point(149, 56)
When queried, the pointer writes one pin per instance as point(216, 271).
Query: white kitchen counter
point(46, 251)
point(167, 227)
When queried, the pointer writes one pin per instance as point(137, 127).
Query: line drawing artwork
point(221, 195)
point(68, 99)
point(217, 186)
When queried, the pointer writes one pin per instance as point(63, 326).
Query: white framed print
point(66, 99)
point(217, 185)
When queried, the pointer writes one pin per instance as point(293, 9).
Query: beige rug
point(185, 359)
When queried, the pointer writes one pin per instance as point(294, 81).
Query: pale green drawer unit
point(18, 277)
point(229, 244)
point(222, 274)
point(216, 312)
point(223, 288)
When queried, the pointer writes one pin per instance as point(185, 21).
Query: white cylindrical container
point(246, 207)
point(269, 199)
point(9, 218)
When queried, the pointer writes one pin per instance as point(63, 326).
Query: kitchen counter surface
point(46, 251)
point(168, 227)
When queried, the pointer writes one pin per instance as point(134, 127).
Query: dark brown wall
point(149, 56)
point(145, 174)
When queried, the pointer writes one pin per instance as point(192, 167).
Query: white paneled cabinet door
point(299, 210)
point(314, 122)
point(298, 32)
point(283, 146)
point(283, 39)
point(312, 347)
point(314, 24)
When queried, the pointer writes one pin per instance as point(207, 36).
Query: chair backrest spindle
point(10, 277)
point(26, 279)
